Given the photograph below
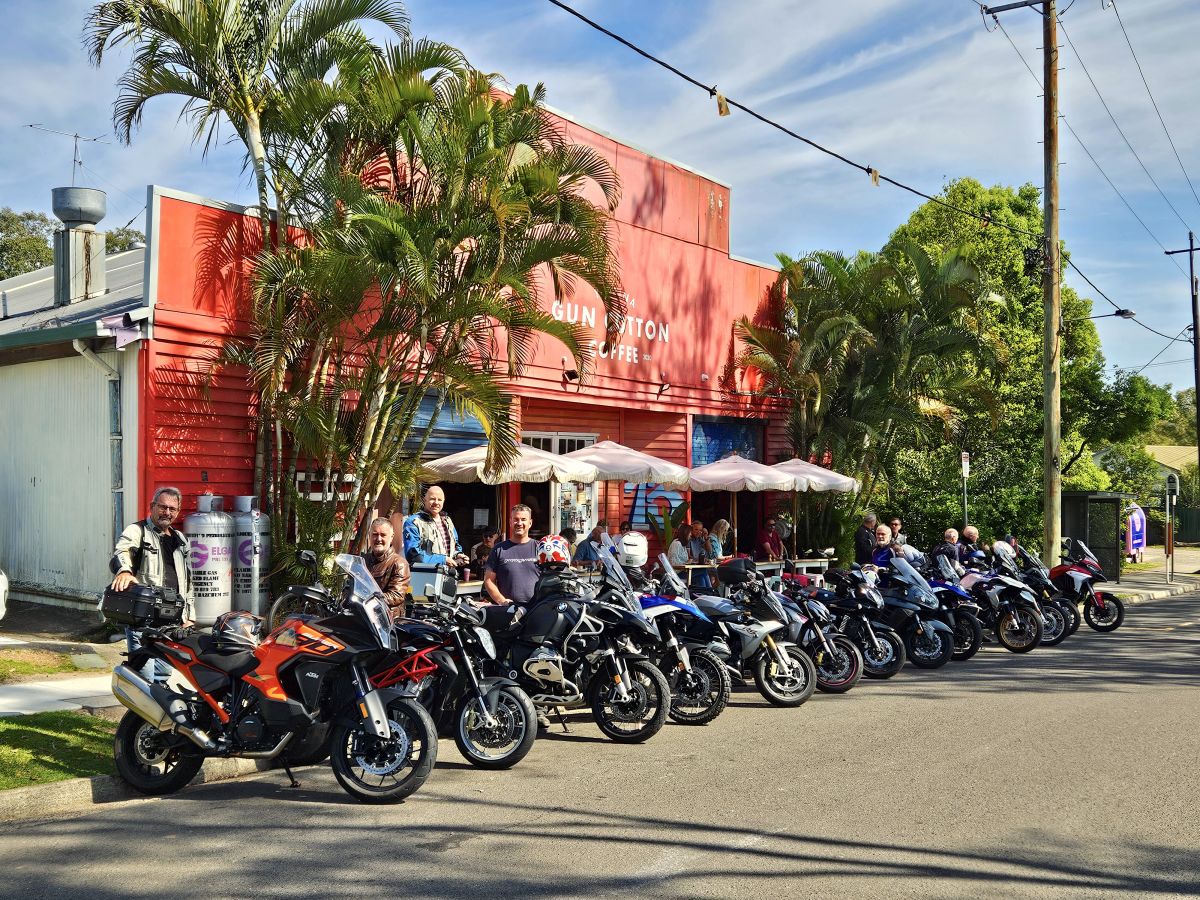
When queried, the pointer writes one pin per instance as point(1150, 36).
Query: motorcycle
point(442, 656)
point(239, 696)
point(700, 683)
point(856, 605)
point(570, 650)
point(1076, 578)
point(748, 622)
point(1007, 607)
point(911, 608)
point(1056, 622)
point(958, 608)
point(811, 625)
point(1037, 576)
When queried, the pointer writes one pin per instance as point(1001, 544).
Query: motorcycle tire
point(139, 749)
point(840, 670)
point(406, 758)
point(1074, 619)
point(311, 749)
point(886, 662)
point(968, 636)
point(930, 650)
point(702, 698)
point(789, 690)
point(505, 744)
point(640, 717)
point(1106, 619)
point(1028, 625)
point(1055, 623)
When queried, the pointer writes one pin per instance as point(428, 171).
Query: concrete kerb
point(1135, 597)
point(77, 796)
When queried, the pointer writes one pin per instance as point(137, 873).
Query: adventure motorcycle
point(1076, 578)
point(1007, 606)
point(811, 625)
point(752, 622)
point(237, 696)
point(570, 649)
point(1037, 576)
point(957, 607)
point(443, 656)
point(1056, 621)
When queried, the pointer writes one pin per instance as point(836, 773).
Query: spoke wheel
point(638, 716)
point(699, 696)
point(507, 740)
point(1019, 630)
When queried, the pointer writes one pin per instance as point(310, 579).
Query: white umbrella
point(617, 462)
point(531, 465)
point(736, 473)
point(819, 478)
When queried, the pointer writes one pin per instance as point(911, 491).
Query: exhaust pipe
point(137, 694)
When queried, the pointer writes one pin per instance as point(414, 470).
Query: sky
point(921, 91)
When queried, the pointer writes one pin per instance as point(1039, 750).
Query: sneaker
point(543, 720)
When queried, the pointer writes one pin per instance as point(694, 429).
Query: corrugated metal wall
point(56, 471)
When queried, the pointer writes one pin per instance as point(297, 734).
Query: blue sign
point(1135, 531)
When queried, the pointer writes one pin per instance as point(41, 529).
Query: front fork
point(871, 634)
point(682, 657)
point(489, 721)
point(619, 673)
point(781, 658)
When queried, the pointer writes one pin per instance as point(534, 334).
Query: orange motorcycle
point(297, 695)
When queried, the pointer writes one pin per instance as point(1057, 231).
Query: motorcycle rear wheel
point(1074, 619)
point(888, 660)
point(1107, 619)
point(504, 745)
point(1019, 631)
point(701, 697)
point(968, 636)
point(841, 670)
point(147, 760)
point(1055, 625)
point(640, 717)
point(373, 770)
point(781, 689)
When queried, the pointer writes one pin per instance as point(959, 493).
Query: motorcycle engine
point(546, 666)
point(250, 730)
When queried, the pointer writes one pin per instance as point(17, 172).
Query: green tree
point(24, 242)
point(1133, 470)
point(1178, 426)
point(121, 239)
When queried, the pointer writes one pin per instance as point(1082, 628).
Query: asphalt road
point(1067, 772)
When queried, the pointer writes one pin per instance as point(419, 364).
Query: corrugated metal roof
point(1173, 456)
point(31, 306)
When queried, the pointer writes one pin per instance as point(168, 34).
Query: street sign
point(1172, 484)
point(966, 464)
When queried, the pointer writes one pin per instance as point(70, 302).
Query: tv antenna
point(77, 162)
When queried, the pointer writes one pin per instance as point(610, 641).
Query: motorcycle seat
point(235, 662)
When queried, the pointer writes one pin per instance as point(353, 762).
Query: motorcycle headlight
point(485, 641)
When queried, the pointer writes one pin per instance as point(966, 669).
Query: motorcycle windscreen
point(625, 596)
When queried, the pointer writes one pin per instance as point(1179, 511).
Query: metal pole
point(1195, 329)
point(1052, 401)
point(966, 519)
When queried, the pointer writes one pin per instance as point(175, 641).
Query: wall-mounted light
point(704, 376)
point(663, 388)
point(570, 375)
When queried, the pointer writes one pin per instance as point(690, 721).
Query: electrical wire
point(1168, 362)
point(1120, 130)
point(1153, 103)
point(1166, 347)
point(1092, 285)
point(871, 171)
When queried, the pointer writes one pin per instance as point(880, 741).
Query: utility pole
point(1052, 305)
point(1191, 252)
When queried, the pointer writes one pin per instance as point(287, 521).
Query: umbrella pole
point(795, 520)
point(733, 516)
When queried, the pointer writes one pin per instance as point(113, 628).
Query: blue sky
point(920, 90)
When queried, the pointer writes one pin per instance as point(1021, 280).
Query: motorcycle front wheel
point(152, 761)
point(887, 660)
point(642, 713)
point(1019, 630)
point(1107, 619)
point(785, 688)
point(968, 636)
point(1054, 625)
point(840, 669)
point(1074, 619)
point(509, 738)
point(930, 649)
point(385, 770)
point(699, 696)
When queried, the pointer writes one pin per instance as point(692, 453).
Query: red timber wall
point(197, 429)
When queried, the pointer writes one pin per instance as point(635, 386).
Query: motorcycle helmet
point(633, 551)
point(553, 551)
point(237, 630)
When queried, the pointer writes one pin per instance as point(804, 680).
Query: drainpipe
point(116, 437)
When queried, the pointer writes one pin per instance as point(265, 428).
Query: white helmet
point(633, 551)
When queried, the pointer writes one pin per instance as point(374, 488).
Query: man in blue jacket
point(430, 538)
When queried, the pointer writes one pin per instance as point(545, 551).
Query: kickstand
point(562, 719)
point(288, 771)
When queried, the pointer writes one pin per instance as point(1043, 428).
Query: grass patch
point(16, 663)
point(52, 746)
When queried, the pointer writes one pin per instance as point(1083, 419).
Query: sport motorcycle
point(1076, 578)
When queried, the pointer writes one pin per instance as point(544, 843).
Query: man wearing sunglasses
point(154, 553)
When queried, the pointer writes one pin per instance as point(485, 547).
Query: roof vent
point(80, 268)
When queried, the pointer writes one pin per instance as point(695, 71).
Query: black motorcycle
point(570, 650)
point(912, 608)
point(857, 607)
point(838, 661)
point(957, 608)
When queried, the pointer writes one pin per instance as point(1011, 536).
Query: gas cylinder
point(252, 556)
point(211, 533)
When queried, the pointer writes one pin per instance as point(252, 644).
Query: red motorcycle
point(1076, 578)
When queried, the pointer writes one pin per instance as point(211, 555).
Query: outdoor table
point(773, 571)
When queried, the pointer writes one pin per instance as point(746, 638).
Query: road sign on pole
point(966, 470)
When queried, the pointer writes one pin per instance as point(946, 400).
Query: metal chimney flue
point(79, 259)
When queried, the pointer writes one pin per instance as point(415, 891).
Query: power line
point(1085, 149)
point(1168, 362)
point(1159, 353)
point(1120, 130)
point(1153, 103)
point(1092, 284)
point(871, 171)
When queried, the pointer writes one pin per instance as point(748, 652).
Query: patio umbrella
point(819, 479)
point(531, 465)
point(617, 462)
point(736, 473)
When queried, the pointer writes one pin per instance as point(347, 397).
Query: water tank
point(252, 556)
point(211, 532)
point(79, 207)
